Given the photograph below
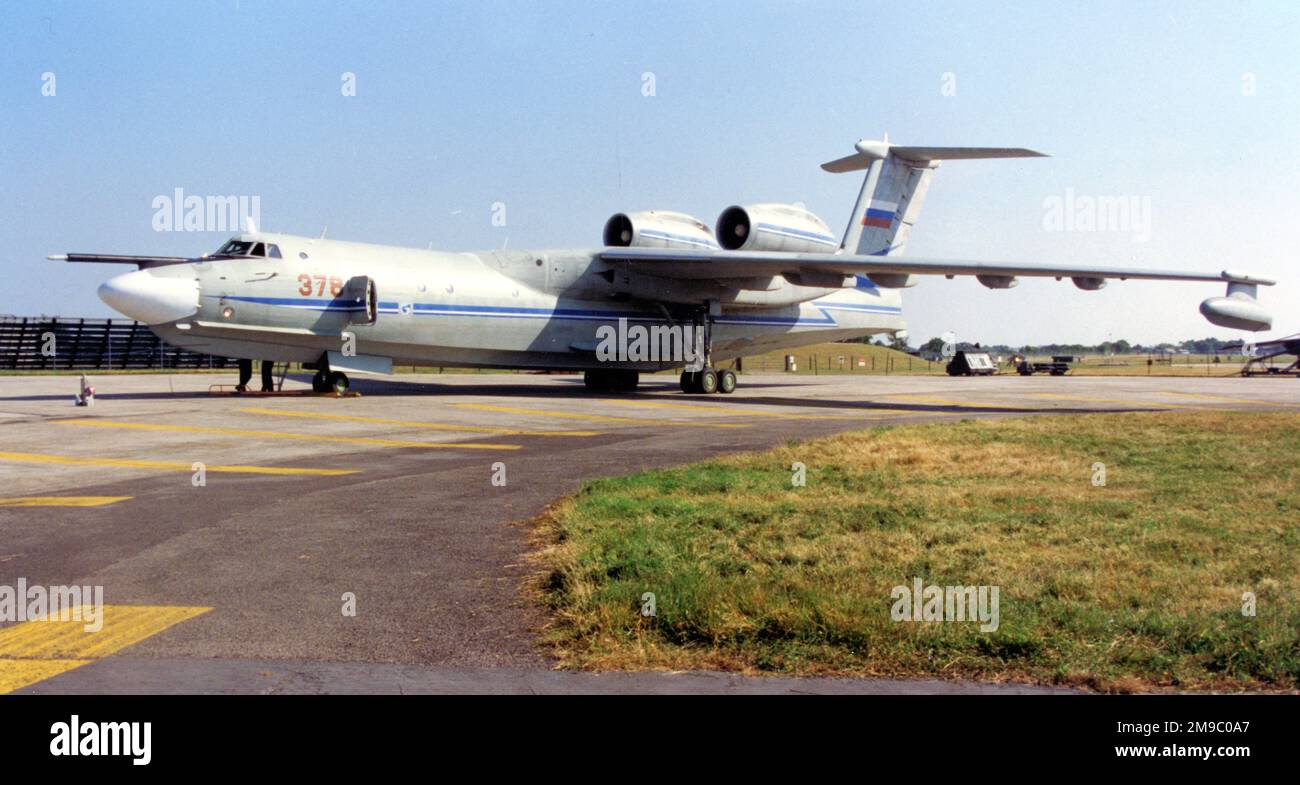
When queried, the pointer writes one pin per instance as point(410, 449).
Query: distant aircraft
point(1259, 353)
point(767, 277)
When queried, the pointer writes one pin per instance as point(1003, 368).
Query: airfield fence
point(53, 343)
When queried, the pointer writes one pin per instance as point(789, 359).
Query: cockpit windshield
point(235, 248)
point(248, 248)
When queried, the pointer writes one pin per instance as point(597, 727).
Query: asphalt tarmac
point(229, 532)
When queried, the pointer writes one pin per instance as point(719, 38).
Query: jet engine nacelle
point(1089, 284)
point(658, 229)
point(774, 227)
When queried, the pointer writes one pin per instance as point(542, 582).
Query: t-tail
point(894, 189)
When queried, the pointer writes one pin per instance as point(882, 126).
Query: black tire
point(626, 381)
point(320, 383)
point(338, 382)
point(726, 382)
point(688, 382)
point(708, 381)
point(612, 380)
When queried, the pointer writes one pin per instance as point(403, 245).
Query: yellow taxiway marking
point(128, 463)
point(1126, 402)
point(36, 650)
point(433, 426)
point(16, 674)
point(309, 437)
point(485, 407)
point(1226, 399)
point(59, 501)
point(739, 410)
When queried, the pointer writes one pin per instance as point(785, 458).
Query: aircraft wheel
point(726, 382)
point(612, 380)
point(626, 381)
point(320, 382)
point(338, 382)
point(688, 382)
point(708, 381)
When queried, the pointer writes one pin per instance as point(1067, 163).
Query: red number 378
point(335, 284)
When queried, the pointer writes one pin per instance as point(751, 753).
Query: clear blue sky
point(540, 106)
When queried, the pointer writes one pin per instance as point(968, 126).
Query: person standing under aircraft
point(245, 374)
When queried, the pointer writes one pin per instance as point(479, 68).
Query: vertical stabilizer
point(894, 189)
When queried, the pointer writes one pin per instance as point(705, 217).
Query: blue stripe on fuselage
point(299, 303)
point(572, 314)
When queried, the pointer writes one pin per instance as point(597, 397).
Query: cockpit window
point(249, 248)
point(235, 248)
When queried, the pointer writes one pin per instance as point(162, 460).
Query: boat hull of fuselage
point(566, 340)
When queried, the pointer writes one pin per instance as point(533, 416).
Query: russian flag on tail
point(880, 214)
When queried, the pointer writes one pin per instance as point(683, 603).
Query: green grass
point(824, 359)
point(1176, 365)
point(1136, 585)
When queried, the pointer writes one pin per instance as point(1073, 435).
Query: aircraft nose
point(151, 299)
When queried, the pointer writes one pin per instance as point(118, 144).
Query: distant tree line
point(1194, 346)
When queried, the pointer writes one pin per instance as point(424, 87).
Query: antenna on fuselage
point(323, 231)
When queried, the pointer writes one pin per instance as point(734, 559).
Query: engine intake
point(658, 229)
point(774, 227)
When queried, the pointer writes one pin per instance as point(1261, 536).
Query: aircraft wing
point(141, 261)
point(716, 265)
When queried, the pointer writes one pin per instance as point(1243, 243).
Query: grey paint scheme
point(542, 310)
point(551, 310)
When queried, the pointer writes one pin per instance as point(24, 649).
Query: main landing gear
point(708, 381)
point(705, 381)
point(611, 380)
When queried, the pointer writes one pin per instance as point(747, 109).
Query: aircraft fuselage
point(495, 309)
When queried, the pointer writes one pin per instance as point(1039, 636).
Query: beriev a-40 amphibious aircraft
point(766, 277)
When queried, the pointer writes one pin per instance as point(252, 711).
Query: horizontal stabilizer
point(869, 151)
point(961, 153)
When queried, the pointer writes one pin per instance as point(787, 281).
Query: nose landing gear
point(325, 380)
point(329, 381)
